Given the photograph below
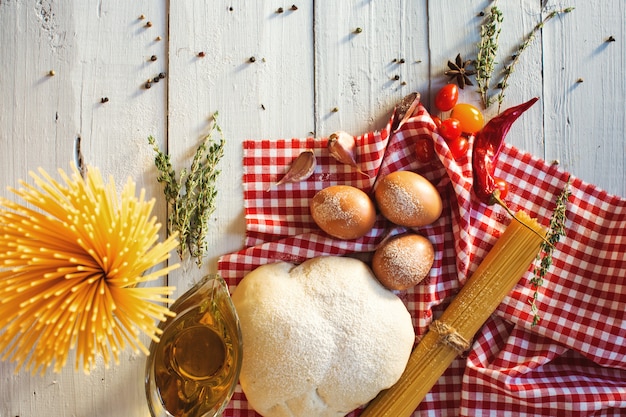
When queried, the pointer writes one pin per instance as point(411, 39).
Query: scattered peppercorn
point(104, 100)
point(358, 30)
point(280, 10)
point(230, 9)
point(294, 7)
point(580, 80)
point(153, 58)
point(403, 83)
point(148, 84)
point(401, 61)
point(201, 54)
point(252, 59)
point(161, 75)
point(149, 24)
point(611, 39)
point(156, 79)
point(335, 109)
point(142, 16)
point(158, 38)
point(481, 14)
point(51, 73)
point(396, 77)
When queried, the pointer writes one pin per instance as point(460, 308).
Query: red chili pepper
point(487, 146)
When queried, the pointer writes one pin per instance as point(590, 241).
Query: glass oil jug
point(194, 369)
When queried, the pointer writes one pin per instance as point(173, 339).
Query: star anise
point(460, 71)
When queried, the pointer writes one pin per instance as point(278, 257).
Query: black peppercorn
point(161, 75)
point(201, 54)
point(153, 58)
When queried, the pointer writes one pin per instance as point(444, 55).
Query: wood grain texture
point(306, 63)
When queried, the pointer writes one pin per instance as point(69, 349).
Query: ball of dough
point(343, 211)
point(404, 261)
point(319, 339)
point(408, 199)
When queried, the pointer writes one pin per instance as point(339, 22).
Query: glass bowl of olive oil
point(194, 369)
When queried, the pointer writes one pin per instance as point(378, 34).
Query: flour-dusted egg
point(404, 261)
point(408, 199)
point(343, 211)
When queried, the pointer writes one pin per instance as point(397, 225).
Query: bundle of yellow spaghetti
point(70, 262)
point(450, 335)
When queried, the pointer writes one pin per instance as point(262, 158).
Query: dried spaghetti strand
point(71, 260)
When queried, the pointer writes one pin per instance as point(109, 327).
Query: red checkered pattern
point(572, 363)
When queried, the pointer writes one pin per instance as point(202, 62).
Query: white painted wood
point(271, 97)
point(96, 49)
point(355, 72)
point(307, 62)
point(585, 121)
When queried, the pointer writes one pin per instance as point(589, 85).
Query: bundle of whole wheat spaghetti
point(71, 259)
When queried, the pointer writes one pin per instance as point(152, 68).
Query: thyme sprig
point(487, 51)
point(544, 257)
point(508, 69)
point(191, 197)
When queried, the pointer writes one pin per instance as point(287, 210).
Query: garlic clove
point(342, 147)
point(301, 169)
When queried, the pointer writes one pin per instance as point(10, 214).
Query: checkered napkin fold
point(572, 363)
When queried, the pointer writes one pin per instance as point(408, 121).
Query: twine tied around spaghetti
point(449, 336)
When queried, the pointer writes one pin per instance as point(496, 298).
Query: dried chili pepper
point(487, 146)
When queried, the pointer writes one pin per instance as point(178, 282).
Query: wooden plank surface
point(307, 62)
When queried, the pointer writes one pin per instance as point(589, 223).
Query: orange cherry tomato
point(470, 117)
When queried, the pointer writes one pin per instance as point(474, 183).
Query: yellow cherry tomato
point(470, 118)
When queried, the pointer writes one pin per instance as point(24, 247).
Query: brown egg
point(403, 262)
point(408, 199)
point(343, 211)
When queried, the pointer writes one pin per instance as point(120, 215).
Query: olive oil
point(195, 367)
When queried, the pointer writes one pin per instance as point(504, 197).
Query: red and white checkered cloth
point(572, 363)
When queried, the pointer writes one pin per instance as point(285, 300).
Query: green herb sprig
point(544, 257)
point(487, 51)
point(191, 198)
point(508, 69)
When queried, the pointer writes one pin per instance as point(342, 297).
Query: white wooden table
point(307, 62)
